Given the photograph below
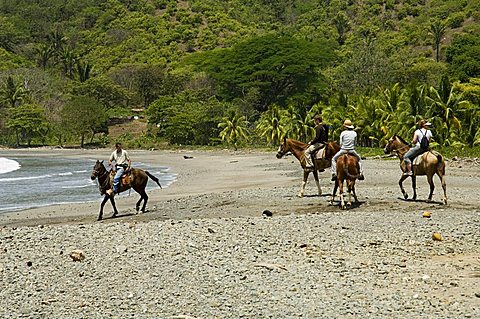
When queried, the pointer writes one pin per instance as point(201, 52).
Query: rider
point(348, 140)
point(422, 132)
point(321, 136)
point(122, 164)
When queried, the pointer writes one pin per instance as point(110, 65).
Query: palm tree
point(446, 105)
point(235, 129)
point(84, 70)
point(271, 124)
point(44, 53)
point(12, 93)
point(437, 29)
point(342, 25)
point(298, 123)
point(68, 59)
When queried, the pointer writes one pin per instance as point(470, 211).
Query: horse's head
point(395, 143)
point(283, 149)
point(331, 149)
point(98, 169)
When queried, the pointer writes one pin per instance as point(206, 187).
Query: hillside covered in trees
point(205, 72)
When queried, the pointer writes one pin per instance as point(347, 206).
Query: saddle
point(126, 179)
point(419, 159)
point(320, 153)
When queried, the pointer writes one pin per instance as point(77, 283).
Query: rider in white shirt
point(122, 164)
point(422, 132)
point(348, 141)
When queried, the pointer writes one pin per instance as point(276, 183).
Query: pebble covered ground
point(329, 265)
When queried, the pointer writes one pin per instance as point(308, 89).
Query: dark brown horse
point(348, 171)
point(430, 163)
point(138, 181)
point(297, 148)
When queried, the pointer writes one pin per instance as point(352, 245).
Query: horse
point(298, 148)
point(430, 163)
point(348, 170)
point(138, 181)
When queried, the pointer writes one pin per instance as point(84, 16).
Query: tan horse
point(348, 171)
point(298, 148)
point(138, 181)
point(430, 163)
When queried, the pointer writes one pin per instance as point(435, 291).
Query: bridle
point(102, 178)
point(397, 150)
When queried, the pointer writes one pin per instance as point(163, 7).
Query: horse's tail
point(153, 178)
point(345, 168)
point(441, 162)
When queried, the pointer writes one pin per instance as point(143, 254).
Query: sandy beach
point(204, 249)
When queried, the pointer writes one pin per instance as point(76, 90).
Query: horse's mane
point(401, 139)
point(297, 143)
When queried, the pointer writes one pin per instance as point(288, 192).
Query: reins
point(103, 181)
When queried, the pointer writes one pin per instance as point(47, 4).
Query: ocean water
point(28, 182)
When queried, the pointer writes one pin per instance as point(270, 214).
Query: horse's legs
point(340, 191)
point(400, 183)
point(100, 215)
point(354, 192)
point(302, 189)
point(414, 186)
point(145, 200)
point(432, 186)
point(115, 211)
point(335, 187)
point(315, 175)
point(444, 186)
point(144, 197)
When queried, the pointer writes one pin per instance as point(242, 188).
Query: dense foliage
point(238, 72)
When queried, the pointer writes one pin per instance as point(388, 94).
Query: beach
point(206, 248)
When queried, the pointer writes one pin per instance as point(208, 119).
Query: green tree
point(342, 25)
point(13, 92)
point(44, 53)
point(437, 29)
point(278, 67)
point(445, 110)
point(463, 56)
point(83, 115)
point(234, 129)
point(271, 124)
point(27, 121)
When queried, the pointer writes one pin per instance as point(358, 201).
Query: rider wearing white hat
point(348, 141)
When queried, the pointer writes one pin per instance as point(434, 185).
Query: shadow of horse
point(138, 181)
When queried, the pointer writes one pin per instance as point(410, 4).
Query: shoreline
point(196, 173)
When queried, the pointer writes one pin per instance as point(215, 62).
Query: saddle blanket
point(320, 154)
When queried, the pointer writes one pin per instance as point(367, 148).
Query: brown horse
point(430, 163)
point(348, 171)
point(298, 148)
point(138, 181)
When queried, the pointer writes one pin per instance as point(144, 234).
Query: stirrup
point(334, 178)
point(361, 177)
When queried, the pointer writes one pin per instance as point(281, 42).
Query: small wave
point(14, 179)
point(65, 174)
point(8, 165)
point(77, 186)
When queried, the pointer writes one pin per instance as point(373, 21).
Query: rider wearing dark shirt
point(321, 136)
